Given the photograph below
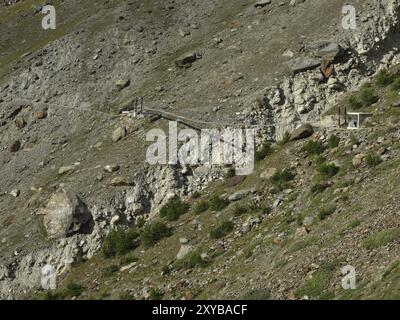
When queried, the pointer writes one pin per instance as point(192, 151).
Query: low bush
point(240, 210)
point(265, 151)
point(328, 170)
point(230, 173)
point(154, 232)
point(367, 96)
point(314, 147)
point(372, 159)
point(333, 141)
point(190, 261)
point(222, 230)
point(217, 203)
point(201, 207)
point(119, 242)
point(282, 177)
point(384, 78)
point(173, 209)
point(326, 212)
point(73, 289)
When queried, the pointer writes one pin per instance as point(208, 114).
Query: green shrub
point(154, 232)
point(239, 210)
point(382, 238)
point(258, 294)
point(222, 230)
point(328, 170)
point(314, 147)
point(217, 203)
point(174, 208)
point(119, 242)
point(384, 78)
point(190, 261)
point(367, 96)
point(353, 102)
point(395, 85)
point(73, 289)
point(265, 151)
point(372, 159)
point(282, 177)
point(326, 212)
point(201, 207)
point(230, 173)
point(333, 141)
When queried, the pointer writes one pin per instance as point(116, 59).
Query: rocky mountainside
point(76, 192)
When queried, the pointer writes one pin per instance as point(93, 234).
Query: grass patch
point(382, 238)
point(222, 230)
point(326, 212)
point(319, 188)
point(302, 244)
point(174, 208)
point(258, 294)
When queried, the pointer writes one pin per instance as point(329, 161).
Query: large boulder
point(304, 131)
point(65, 214)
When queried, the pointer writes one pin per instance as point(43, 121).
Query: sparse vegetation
point(326, 212)
point(222, 230)
point(382, 238)
point(319, 188)
point(258, 294)
point(191, 261)
point(154, 232)
point(201, 207)
point(174, 208)
point(240, 210)
point(73, 289)
point(285, 139)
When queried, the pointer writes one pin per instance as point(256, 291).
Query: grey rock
point(303, 132)
point(65, 214)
